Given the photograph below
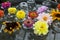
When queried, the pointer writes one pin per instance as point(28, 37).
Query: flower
point(45, 17)
point(42, 9)
point(1, 13)
point(58, 6)
point(20, 14)
point(55, 14)
point(6, 4)
point(28, 23)
point(12, 10)
point(33, 14)
point(40, 28)
point(11, 27)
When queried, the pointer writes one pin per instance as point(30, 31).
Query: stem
point(54, 36)
point(24, 35)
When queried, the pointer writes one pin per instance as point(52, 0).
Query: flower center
point(45, 18)
point(10, 26)
point(57, 15)
point(33, 14)
point(28, 22)
point(41, 26)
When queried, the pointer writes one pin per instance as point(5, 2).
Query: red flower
point(58, 6)
point(33, 14)
point(1, 13)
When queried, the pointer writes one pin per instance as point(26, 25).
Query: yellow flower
point(12, 10)
point(55, 14)
point(20, 14)
point(11, 27)
point(40, 28)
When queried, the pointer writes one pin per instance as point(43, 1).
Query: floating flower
point(58, 6)
point(55, 14)
point(1, 13)
point(45, 17)
point(20, 14)
point(28, 23)
point(42, 9)
point(12, 10)
point(11, 27)
point(40, 28)
point(33, 14)
point(6, 4)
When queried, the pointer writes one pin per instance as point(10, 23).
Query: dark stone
point(50, 4)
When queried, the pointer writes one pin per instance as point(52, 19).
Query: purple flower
point(42, 9)
point(6, 4)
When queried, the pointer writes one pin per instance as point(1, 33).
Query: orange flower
point(58, 6)
point(55, 14)
point(33, 14)
point(1, 13)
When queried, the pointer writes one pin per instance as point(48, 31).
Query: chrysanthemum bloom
point(20, 14)
point(42, 9)
point(1, 13)
point(33, 14)
point(28, 23)
point(55, 14)
point(12, 10)
point(40, 28)
point(58, 6)
point(11, 27)
point(45, 17)
point(6, 4)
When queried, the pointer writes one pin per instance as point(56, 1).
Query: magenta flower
point(6, 4)
point(42, 9)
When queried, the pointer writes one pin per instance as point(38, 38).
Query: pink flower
point(28, 23)
point(6, 4)
point(42, 9)
point(45, 17)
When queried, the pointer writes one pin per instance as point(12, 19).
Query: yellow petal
point(20, 14)
point(12, 10)
point(17, 28)
point(10, 32)
point(5, 30)
point(40, 27)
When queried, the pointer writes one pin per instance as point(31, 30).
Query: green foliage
point(5, 0)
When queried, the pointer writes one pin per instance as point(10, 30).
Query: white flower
point(45, 17)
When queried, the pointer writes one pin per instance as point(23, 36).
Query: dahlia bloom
point(45, 17)
point(20, 14)
point(12, 10)
point(40, 28)
point(6, 4)
point(58, 6)
point(28, 23)
point(55, 14)
point(1, 13)
point(33, 14)
point(42, 9)
point(11, 27)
